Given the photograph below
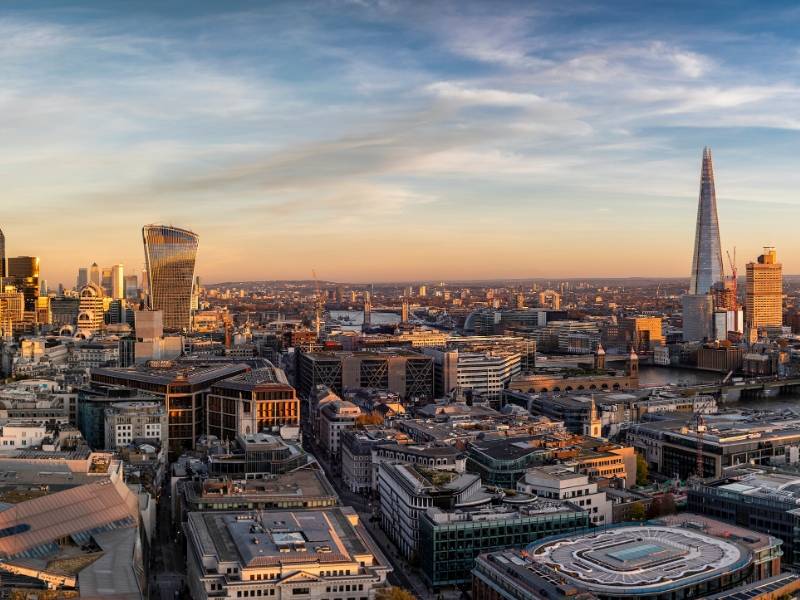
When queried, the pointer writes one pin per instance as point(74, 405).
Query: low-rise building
point(560, 483)
point(140, 421)
point(450, 541)
point(336, 418)
point(310, 554)
point(700, 556)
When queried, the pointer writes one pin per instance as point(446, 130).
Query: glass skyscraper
point(170, 255)
point(707, 272)
point(707, 258)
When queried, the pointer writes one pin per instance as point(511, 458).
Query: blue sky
point(380, 140)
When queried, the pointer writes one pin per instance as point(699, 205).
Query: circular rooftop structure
point(639, 560)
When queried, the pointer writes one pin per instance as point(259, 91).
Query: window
point(301, 591)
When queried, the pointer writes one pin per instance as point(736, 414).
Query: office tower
point(170, 255)
point(107, 282)
point(94, 274)
point(117, 282)
point(23, 274)
point(706, 260)
point(83, 278)
point(367, 309)
point(131, 287)
point(2, 254)
point(764, 297)
point(43, 288)
point(145, 281)
point(423, 291)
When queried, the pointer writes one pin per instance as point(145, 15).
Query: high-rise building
point(170, 255)
point(131, 287)
point(2, 254)
point(90, 310)
point(117, 282)
point(94, 274)
point(706, 259)
point(23, 274)
point(764, 298)
point(83, 278)
point(107, 282)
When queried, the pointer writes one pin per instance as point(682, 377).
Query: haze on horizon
point(392, 140)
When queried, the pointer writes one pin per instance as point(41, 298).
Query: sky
point(385, 140)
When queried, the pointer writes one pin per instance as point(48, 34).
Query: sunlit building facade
point(764, 296)
point(170, 255)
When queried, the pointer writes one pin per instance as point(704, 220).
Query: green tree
point(394, 593)
point(637, 511)
point(642, 470)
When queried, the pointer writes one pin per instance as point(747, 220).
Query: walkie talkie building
point(170, 255)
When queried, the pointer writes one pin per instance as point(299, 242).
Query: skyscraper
point(107, 282)
point(2, 254)
point(23, 273)
point(170, 255)
point(764, 289)
point(117, 282)
point(94, 274)
point(83, 278)
point(706, 259)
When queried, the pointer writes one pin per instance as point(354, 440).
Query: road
point(168, 561)
point(403, 574)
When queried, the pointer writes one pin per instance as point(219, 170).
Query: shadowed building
point(170, 255)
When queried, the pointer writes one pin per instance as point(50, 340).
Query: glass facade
point(448, 551)
point(707, 258)
point(170, 255)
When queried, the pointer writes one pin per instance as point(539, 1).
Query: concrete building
point(90, 311)
point(764, 292)
point(408, 374)
point(311, 554)
point(406, 491)
point(335, 418)
point(560, 483)
point(483, 374)
point(125, 422)
point(16, 435)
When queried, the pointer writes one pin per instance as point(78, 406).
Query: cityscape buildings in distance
point(318, 439)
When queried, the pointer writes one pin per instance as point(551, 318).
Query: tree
point(394, 593)
point(642, 470)
point(637, 511)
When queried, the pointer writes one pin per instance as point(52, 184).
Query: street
point(403, 574)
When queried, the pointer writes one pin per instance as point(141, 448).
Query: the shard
point(707, 259)
point(698, 305)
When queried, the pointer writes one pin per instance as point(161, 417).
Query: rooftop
point(649, 558)
point(275, 538)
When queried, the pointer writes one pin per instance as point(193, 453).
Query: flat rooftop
point(274, 538)
point(256, 378)
point(649, 558)
point(167, 372)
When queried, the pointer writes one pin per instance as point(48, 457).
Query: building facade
point(170, 255)
point(764, 291)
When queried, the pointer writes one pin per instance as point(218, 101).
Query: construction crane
point(732, 263)
point(317, 305)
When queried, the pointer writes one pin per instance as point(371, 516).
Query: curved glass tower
point(707, 258)
point(170, 254)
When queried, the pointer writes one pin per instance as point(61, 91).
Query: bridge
point(749, 389)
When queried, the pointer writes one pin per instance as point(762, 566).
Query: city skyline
point(330, 127)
